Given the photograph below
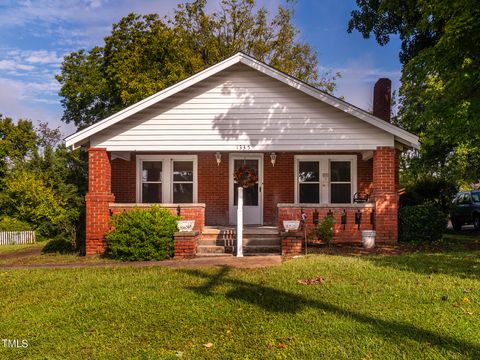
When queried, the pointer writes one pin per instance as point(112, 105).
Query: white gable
point(241, 108)
point(241, 104)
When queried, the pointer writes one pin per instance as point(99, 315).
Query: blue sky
point(36, 34)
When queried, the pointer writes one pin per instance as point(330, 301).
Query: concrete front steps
point(222, 241)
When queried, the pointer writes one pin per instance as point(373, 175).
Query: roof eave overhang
point(82, 136)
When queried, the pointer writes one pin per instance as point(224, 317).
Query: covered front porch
point(308, 150)
point(200, 186)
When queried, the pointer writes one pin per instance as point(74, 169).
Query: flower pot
point(291, 225)
point(185, 225)
point(368, 238)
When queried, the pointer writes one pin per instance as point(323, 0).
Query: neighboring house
point(311, 151)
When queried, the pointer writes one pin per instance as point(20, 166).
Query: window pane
point(152, 193)
point(152, 171)
point(309, 194)
point(340, 171)
point(308, 171)
point(340, 193)
point(183, 193)
point(250, 195)
point(183, 171)
point(252, 164)
point(476, 197)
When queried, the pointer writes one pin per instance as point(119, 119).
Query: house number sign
point(244, 147)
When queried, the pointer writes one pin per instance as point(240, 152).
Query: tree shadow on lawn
point(457, 254)
point(281, 301)
point(459, 264)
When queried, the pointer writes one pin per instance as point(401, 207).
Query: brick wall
point(187, 212)
point(213, 186)
point(185, 244)
point(278, 185)
point(97, 199)
point(124, 180)
point(364, 175)
point(292, 243)
point(351, 233)
point(385, 184)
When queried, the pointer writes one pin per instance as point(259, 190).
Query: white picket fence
point(17, 237)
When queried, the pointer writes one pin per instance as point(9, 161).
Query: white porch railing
point(17, 237)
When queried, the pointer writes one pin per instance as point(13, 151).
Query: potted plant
point(291, 225)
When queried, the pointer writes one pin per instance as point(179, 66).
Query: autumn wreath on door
point(245, 177)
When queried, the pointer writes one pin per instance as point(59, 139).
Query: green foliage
point(142, 235)
point(145, 54)
point(439, 95)
point(434, 191)
point(324, 230)
point(60, 245)
point(42, 183)
point(8, 223)
point(420, 223)
point(17, 143)
point(30, 199)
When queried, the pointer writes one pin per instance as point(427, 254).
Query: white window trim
point(167, 170)
point(325, 169)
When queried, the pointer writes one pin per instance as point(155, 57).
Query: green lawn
point(420, 305)
point(7, 249)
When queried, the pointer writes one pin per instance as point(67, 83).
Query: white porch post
point(240, 223)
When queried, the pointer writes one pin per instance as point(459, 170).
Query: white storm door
point(253, 196)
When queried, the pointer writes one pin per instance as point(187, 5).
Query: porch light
point(273, 158)
point(218, 157)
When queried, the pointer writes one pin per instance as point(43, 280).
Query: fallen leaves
point(315, 281)
point(208, 345)
point(278, 346)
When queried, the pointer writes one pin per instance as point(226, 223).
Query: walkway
point(247, 262)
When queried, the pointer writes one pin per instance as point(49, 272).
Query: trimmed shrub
point(8, 223)
point(142, 235)
point(430, 191)
point(59, 245)
point(421, 223)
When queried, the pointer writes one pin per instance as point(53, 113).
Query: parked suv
point(466, 209)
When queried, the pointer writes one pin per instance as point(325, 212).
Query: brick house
point(311, 152)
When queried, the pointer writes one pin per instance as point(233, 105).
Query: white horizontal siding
point(237, 108)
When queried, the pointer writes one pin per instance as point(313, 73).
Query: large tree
point(440, 91)
point(18, 142)
point(145, 54)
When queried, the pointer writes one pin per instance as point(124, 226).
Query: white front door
point(253, 196)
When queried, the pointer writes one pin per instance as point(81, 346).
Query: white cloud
point(11, 65)
point(359, 77)
point(42, 57)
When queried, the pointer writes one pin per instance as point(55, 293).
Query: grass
point(7, 249)
point(423, 304)
point(31, 255)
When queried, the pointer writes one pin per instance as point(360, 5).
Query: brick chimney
point(382, 96)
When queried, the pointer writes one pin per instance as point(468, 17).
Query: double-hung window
point(340, 182)
point(322, 179)
point(167, 179)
